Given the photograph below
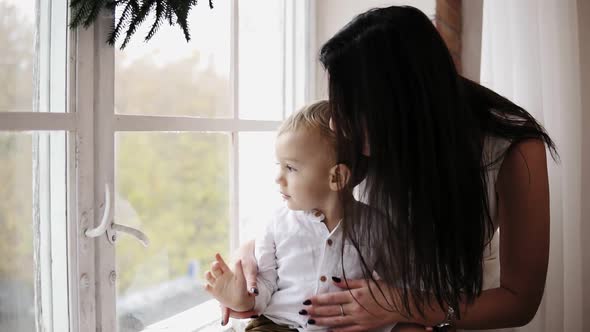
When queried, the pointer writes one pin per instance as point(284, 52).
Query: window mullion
point(104, 156)
point(82, 255)
point(58, 156)
point(37, 121)
point(310, 50)
point(160, 123)
point(234, 227)
point(284, 60)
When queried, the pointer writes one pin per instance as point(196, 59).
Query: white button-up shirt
point(297, 257)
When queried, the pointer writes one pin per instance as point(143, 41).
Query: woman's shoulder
point(526, 156)
point(524, 170)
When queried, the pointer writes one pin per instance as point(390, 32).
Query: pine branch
point(81, 9)
point(181, 12)
point(137, 20)
point(169, 13)
point(123, 21)
point(134, 13)
point(160, 12)
point(96, 8)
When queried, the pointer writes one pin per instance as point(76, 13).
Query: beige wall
point(471, 39)
point(584, 39)
point(334, 14)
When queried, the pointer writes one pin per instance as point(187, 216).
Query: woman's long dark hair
point(392, 78)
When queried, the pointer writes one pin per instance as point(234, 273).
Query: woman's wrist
point(432, 314)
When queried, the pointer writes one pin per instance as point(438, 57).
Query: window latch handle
point(112, 229)
point(102, 227)
point(136, 233)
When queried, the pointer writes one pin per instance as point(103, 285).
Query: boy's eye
point(290, 168)
point(287, 167)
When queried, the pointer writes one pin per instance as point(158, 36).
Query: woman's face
point(366, 146)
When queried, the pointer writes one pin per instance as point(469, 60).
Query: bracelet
point(448, 319)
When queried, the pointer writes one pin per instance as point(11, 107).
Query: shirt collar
point(317, 217)
point(314, 215)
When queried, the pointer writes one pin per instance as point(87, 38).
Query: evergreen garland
point(133, 14)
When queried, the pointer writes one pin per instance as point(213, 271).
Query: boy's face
point(305, 159)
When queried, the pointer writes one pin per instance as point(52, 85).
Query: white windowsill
point(204, 317)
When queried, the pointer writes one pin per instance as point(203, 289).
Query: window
point(35, 135)
point(168, 138)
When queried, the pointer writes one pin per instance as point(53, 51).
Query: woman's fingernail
point(254, 290)
point(254, 316)
point(307, 302)
point(311, 321)
point(336, 279)
point(303, 312)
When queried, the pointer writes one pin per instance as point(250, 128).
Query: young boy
point(301, 248)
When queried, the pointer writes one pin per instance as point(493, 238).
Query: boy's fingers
point(208, 288)
point(209, 277)
point(222, 264)
point(216, 269)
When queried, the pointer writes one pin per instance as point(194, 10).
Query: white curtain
point(536, 53)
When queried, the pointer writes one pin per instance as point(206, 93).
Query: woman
point(448, 163)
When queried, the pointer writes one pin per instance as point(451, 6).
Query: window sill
point(203, 318)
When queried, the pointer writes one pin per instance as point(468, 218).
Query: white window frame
point(82, 105)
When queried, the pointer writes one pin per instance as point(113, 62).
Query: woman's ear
point(339, 177)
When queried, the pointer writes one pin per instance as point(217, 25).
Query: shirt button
point(317, 214)
point(323, 278)
point(329, 242)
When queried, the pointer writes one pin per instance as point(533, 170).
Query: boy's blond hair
point(315, 116)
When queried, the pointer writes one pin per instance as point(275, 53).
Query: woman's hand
point(361, 311)
point(246, 254)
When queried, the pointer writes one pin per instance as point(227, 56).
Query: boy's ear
point(339, 177)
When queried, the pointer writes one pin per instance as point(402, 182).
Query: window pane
point(17, 28)
point(17, 312)
point(261, 59)
point(175, 188)
point(256, 175)
point(33, 268)
point(168, 76)
point(33, 55)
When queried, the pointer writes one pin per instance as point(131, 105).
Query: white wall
point(332, 15)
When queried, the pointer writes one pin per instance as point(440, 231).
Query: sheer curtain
point(536, 53)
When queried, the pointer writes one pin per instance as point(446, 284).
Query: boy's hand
point(229, 287)
point(250, 267)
